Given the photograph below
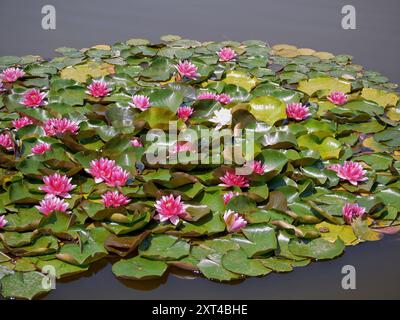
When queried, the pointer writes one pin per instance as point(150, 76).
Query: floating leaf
point(383, 98)
point(317, 248)
point(236, 261)
point(268, 109)
point(164, 247)
point(325, 84)
point(139, 268)
point(240, 79)
point(26, 285)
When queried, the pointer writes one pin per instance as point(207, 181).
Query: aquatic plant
point(78, 184)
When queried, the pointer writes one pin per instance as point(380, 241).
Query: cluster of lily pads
point(76, 188)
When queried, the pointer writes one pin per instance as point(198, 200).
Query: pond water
point(307, 23)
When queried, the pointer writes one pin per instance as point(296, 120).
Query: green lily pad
point(139, 268)
point(25, 285)
point(62, 269)
point(318, 249)
point(268, 109)
point(240, 79)
point(260, 239)
point(212, 269)
point(237, 261)
point(164, 247)
point(323, 84)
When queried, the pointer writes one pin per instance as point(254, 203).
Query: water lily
point(226, 54)
point(229, 195)
point(11, 74)
point(297, 111)
point(98, 89)
point(234, 222)
point(170, 208)
point(57, 185)
point(52, 203)
point(117, 178)
point(100, 169)
point(256, 167)
point(135, 142)
point(21, 122)
point(350, 171)
point(187, 69)
point(41, 148)
point(224, 98)
point(33, 98)
point(232, 180)
point(352, 211)
point(56, 126)
point(140, 102)
point(222, 117)
point(3, 221)
point(6, 141)
point(114, 199)
point(207, 96)
point(184, 112)
point(337, 97)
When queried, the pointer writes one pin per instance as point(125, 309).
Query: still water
point(307, 23)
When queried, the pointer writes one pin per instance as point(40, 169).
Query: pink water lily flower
point(234, 222)
point(256, 166)
point(229, 195)
point(207, 96)
point(100, 169)
point(57, 185)
point(337, 97)
point(187, 69)
point(117, 178)
point(297, 111)
point(98, 89)
point(352, 211)
point(170, 208)
point(50, 204)
point(6, 141)
point(11, 74)
point(184, 112)
point(135, 142)
point(33, 98)
point(140, 101)
point(350, 171)
point(21, 122)
point(3, 221)
point(226, 54)
point(114, 199)
point(224, 98)
point(56, 126)
point(232, 180)
point(41, 148)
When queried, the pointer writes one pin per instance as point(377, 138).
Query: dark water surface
point(377, 277)
point(316, 24)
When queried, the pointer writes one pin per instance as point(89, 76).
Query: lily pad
point(26, 285)
point(139, 268)
point(318, 249)
point(164, 247)
point(268, 109)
